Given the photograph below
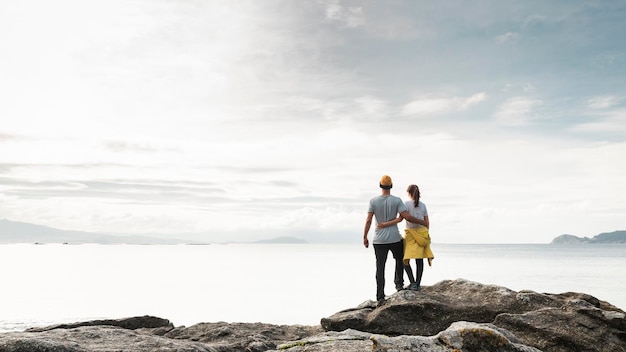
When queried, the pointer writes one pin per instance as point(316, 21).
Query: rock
point(460, 336)
point(104, 338)
point(331, 341)
point(141, 334)
point(550, 322)
point(453, 315)
point(134, 323)
point(434, 308)
point(577, 326)
point(253, 337)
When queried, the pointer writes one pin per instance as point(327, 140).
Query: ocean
point(270, 283)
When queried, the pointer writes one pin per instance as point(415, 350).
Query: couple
point(416, 243)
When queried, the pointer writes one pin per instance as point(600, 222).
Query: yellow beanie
point(386, 181)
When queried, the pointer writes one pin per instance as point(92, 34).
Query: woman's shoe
point(414, 287)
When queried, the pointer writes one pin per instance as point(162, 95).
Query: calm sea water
point(271, 283)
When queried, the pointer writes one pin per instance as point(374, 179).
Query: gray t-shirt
point(386, 208)
point(419, 212)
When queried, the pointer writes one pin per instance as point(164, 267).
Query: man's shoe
point(414, 287)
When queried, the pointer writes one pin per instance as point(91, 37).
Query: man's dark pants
point(381, 251)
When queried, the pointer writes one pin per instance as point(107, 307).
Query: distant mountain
point(606, 237)
point(283, 239)
point(21, 232)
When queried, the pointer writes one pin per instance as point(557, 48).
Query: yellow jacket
point(417, 244)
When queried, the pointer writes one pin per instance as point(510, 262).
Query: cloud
point(376, 20)
point(175, 116)
point(603, 102)
point(350, 17)
point(604, 117)
point(612, 121)
point(529, 88)
point(5, 137)
point(309, 109)
point(517, 111)
point(607, 60)
point(125, 146)
point(534, 23)
point(507, 37)
point(131, 192)
point(431, 106)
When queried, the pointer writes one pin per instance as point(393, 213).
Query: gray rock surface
point(95, 339)
point(147, 333)
point(134, 323)
point(253, 337)
point(460, 336)
point(549, 322)
point(454, 315)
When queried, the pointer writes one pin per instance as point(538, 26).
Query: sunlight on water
point(279, 284)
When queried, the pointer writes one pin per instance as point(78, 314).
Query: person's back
point(386, 208)
point(417, 238)
point(419, 212)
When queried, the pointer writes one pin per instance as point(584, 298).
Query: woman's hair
point(414, 191)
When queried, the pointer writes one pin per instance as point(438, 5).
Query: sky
point(245, 120)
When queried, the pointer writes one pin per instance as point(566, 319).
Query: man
point(386, 207)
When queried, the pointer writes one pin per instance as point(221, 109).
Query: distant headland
point(606, 237)
point(21, 232)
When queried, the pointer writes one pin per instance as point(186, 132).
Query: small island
point(606, 237)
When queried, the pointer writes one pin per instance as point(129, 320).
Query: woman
point(416, 237)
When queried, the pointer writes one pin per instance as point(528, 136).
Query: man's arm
point(410, 218)
point(366, 230)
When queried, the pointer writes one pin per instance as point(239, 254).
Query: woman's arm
point(389, 223)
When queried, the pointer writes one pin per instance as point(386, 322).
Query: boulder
point(133, 323)
point(576, 326)
point(549, 322)
point(460, 336)
point(434, 308)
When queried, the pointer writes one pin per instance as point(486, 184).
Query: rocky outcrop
point(455, 315)
point(254, 337)
point(460, 336)
point(151, 334)
point(548, 322)
point(134, 323)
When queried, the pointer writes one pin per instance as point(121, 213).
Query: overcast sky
point(253, 119)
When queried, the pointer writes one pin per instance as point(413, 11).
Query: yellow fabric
point(417, 244)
